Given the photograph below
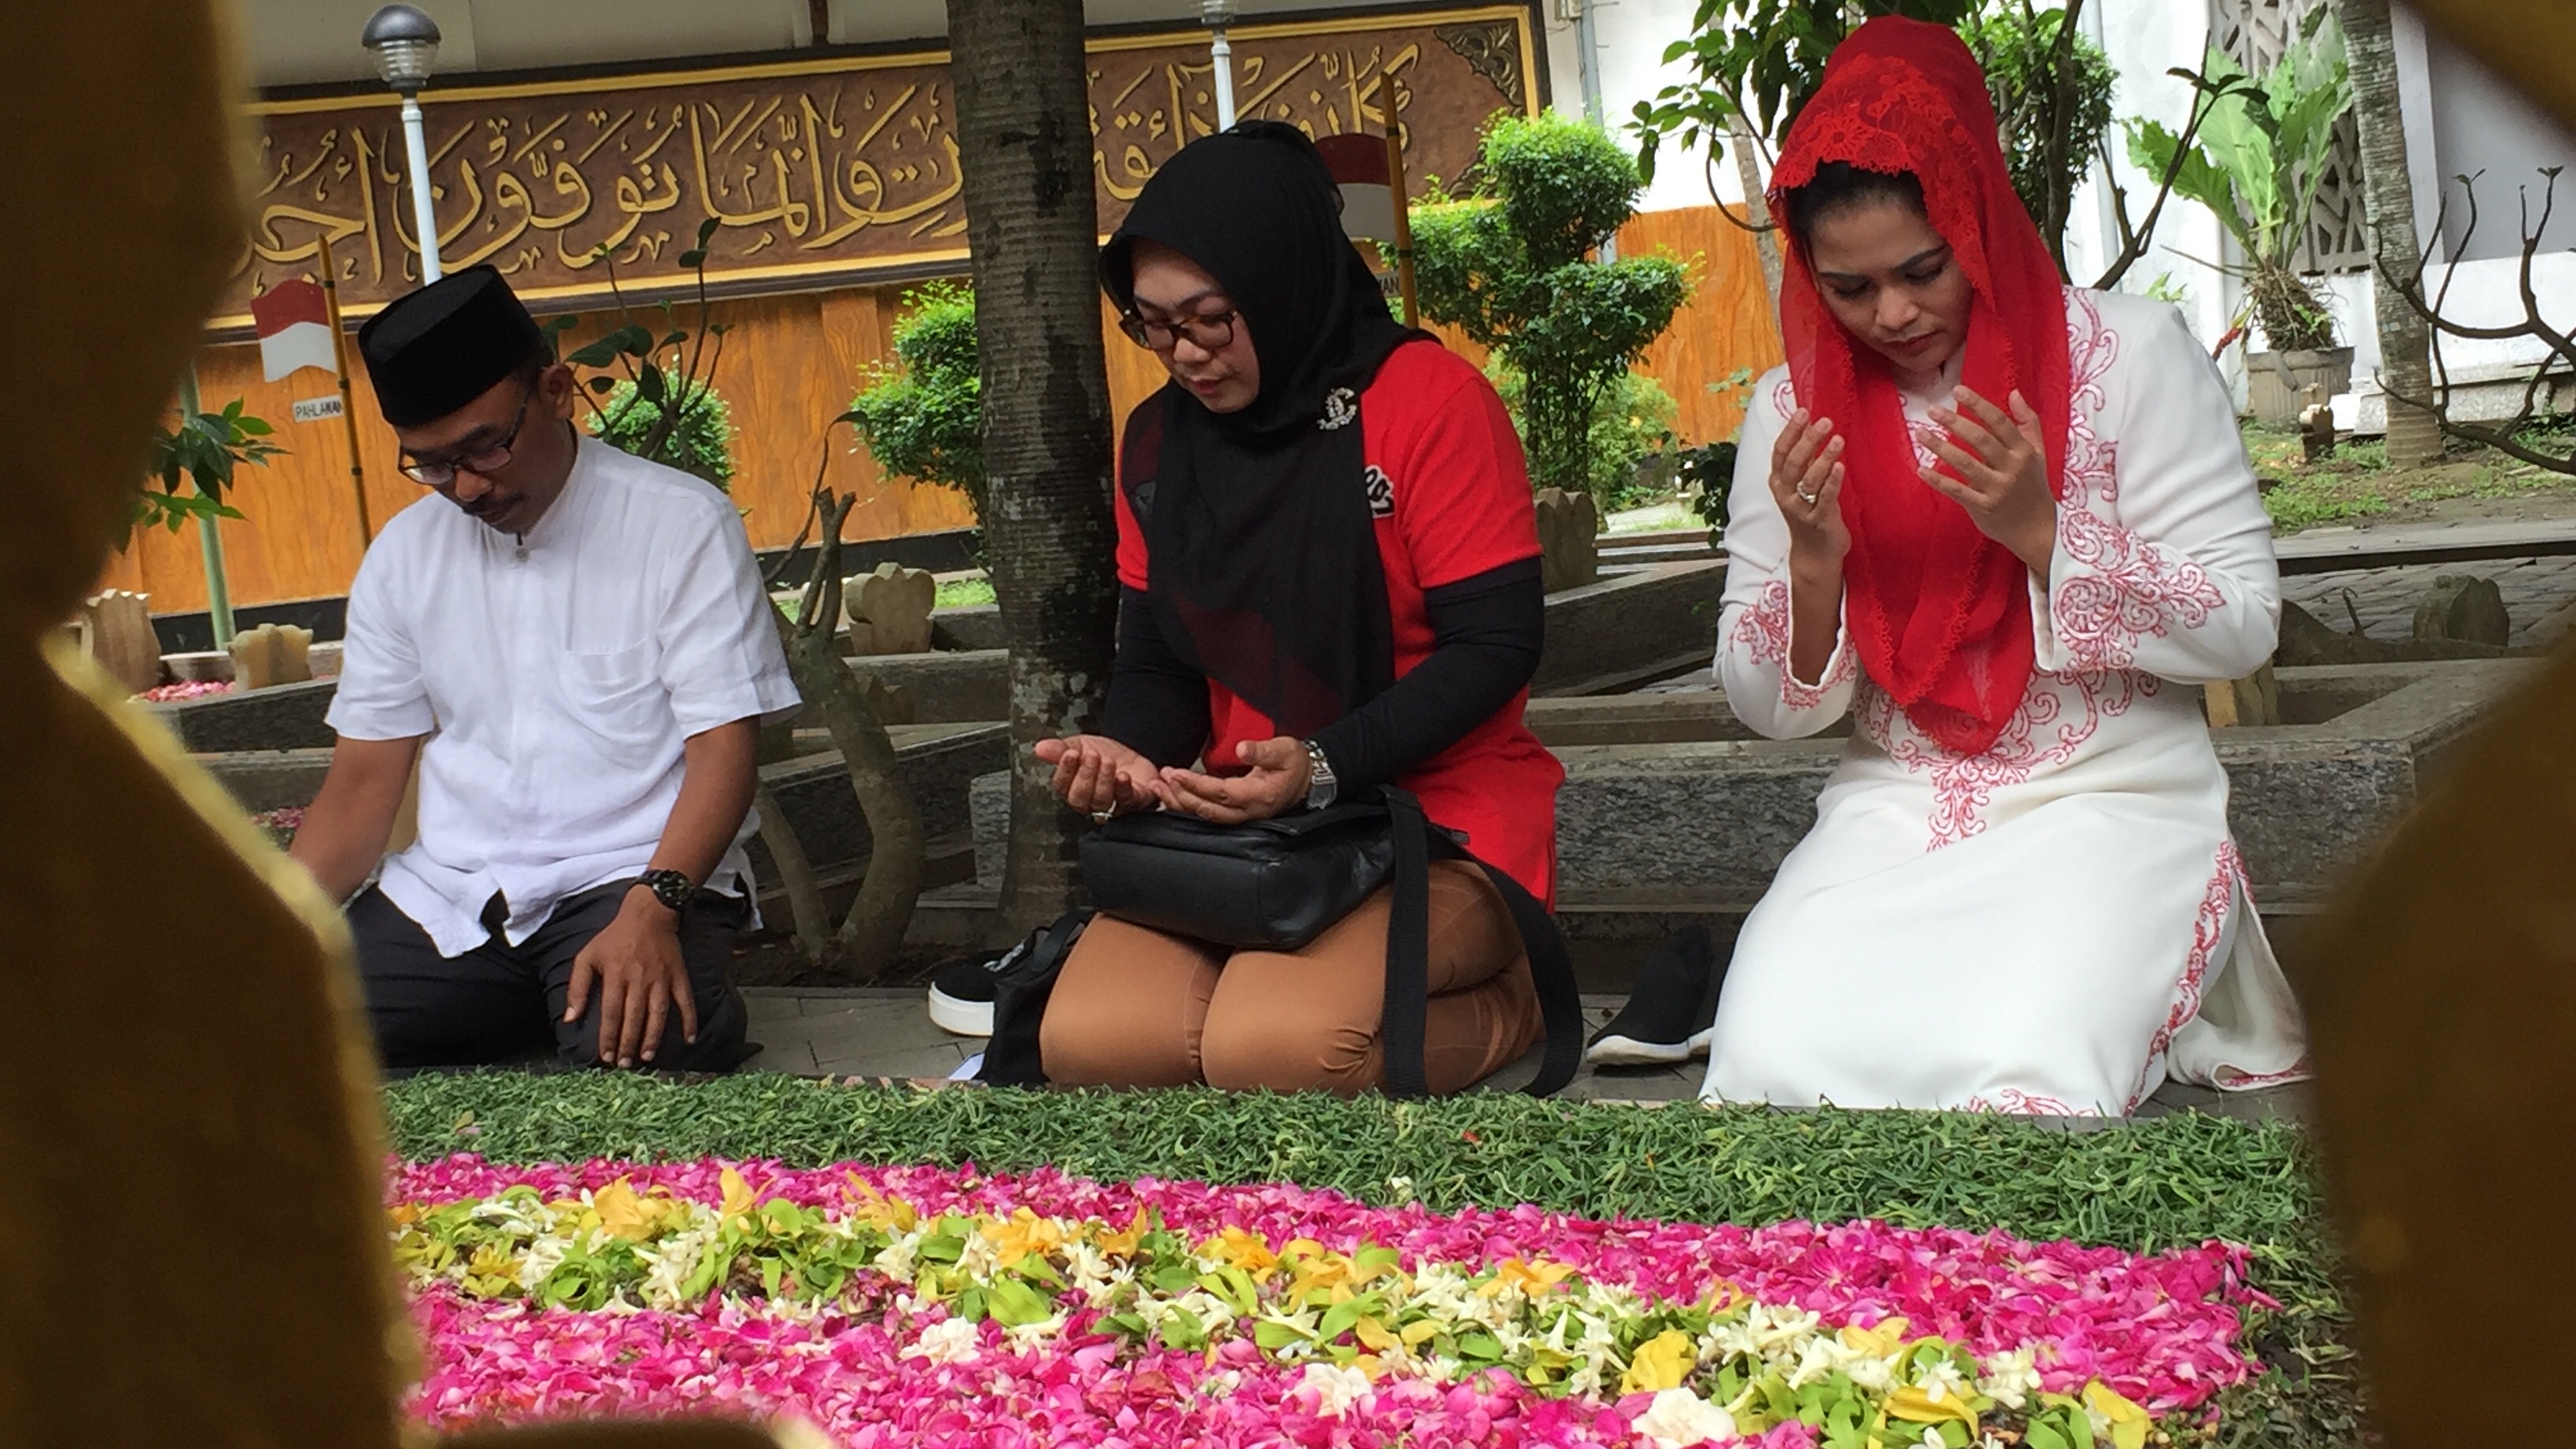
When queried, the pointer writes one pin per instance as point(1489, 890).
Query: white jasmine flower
point(2011, 1378)
point(544, 1256)
point(1401, 1189)
point(1679, 1418)
point(1940, 1379)
point(1335, 1388)
point(896, 1261)
point(951, 1340)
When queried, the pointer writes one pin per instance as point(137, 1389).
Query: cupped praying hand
point(1101, 777)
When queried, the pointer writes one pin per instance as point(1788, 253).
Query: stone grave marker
point(121, 638)
point(890, 610)
point(1569, 525)
point(2466, 609)
point(271, 654)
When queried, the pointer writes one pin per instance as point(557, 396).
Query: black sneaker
point(1669, 1015)
point(961, 997)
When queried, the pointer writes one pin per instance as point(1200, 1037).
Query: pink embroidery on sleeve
point(2133, 590)
point(1762, 632)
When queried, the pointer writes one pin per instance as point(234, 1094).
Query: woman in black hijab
point(1329, 561)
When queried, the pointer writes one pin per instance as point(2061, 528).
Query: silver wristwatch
point(1321, 786)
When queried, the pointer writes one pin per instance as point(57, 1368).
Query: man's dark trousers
point(499, 1002)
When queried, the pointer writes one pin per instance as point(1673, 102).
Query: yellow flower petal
point(1239, 1249)
point(2129, 1422)
point(737, 1196)
point(1915, 1405)
point(1882, 1341)
point(1124, 1242)
point(1662, 1362)
point(1373, 1334)
point(623, 1214)
point(1537, 1280)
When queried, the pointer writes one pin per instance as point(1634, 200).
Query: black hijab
point(1264, 570)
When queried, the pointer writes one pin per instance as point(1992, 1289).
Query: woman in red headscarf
point(2007, 526)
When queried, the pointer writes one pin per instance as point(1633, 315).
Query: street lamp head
point(405, 42)
point(1216, 14)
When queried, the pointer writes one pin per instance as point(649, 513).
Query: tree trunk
point(1024, 145)
point(898, 851)
point(2414, 437)
point(1757, 207)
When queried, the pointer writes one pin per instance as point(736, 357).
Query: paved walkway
point(880, 1032)
point(2538, 594)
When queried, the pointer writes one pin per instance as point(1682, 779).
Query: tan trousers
point(1137, 1008)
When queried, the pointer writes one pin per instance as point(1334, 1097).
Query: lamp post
point(405, 43)
point(1216, 15)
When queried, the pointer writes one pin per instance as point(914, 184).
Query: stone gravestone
point(1569, 525)
point(890, 610)
point(121, 638)
point(892, 703)
point(271, 654)
point(2466, 609)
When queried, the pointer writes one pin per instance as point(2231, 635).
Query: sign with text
point(315, 409)
point(816, 171)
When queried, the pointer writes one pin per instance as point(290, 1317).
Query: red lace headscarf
point(1938, 611)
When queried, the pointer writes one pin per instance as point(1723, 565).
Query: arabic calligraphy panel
point(818, 172)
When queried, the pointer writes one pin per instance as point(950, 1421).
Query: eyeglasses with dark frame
point(439, 472)
point(1208, 331)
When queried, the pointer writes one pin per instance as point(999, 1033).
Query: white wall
point(1630, 37)
point(2482, 124)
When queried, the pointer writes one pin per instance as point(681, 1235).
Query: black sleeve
point(1486, 631)
point(1158, 704)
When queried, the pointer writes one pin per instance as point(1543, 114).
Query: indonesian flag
point(1358, 160)
point(294, 326)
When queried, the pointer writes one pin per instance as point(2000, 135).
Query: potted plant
point(2258, 161)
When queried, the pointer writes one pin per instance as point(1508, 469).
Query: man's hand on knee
point(641, 976)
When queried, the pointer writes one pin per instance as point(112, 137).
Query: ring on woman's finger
point(1805, 497)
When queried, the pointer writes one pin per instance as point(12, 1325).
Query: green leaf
point(1271, 1336)
point(706, 229)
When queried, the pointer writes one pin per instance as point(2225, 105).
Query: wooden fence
point(791, 363)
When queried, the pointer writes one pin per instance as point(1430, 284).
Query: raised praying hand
point(1998, 471)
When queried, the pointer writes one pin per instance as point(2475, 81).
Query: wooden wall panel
point(791, 363)
point(1729, 322)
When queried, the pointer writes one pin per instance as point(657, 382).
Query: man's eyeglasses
point(1209, 331)
point(439, 472)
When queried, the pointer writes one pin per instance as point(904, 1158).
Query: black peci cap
point(433, 351)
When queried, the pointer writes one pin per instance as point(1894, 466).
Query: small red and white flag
point(294, 325)
point(1358, 162)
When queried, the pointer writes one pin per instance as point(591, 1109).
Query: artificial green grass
point(2150, 1185)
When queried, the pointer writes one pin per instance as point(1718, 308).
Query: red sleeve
point(1462, 493)
point(1137, 450)
point(1131, 540)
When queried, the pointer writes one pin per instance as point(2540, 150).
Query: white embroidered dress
point(2059, 923)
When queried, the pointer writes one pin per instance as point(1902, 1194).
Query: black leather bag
point(1266, 885)
point(1276, 884)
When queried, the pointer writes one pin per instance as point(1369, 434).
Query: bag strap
point(1408, 958)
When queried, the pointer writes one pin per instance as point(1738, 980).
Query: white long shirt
point(2059, 922)
point(557, 676)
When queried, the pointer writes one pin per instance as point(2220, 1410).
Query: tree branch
point(2134, 241)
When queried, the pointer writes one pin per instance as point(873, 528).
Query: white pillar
point(424, 217)
point(1224, 56)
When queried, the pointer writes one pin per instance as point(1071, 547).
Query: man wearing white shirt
point(579, 655)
